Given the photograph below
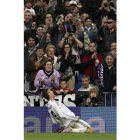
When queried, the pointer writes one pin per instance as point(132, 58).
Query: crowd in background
point(68, 40)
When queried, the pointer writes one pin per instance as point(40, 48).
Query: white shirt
point(32, 11)
point(60, 114)
point(87, 89)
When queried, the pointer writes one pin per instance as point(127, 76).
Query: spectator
point(59, 34)
point(90, 29)
point(42, 8)
point(28, 7)
point(50, 53)
point(89, 62)
point(90, 7)
point(40, 37)
point(63, 88)
point(83, 17)
point(35, 64)
point(76, 44)
point(86, 86)
point(48, 77)
point(29, 51)
point(48, 39)
point(27, 20)
point(68, 62)
point(108, 34)
point(113, 51)
point(107, 77)
point(105, 11)
point(93, 100)
point(50, 22)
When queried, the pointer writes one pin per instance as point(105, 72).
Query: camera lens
point(105, 4)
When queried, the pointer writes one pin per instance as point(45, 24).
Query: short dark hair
point(88, 18)
point(62, 80)
point(48, 61)
point(45, 94)
point(109, 54)
point(33, 37)
point(47, 1)
point(38, 48)
point(85, 76)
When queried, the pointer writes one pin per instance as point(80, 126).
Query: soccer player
point(61, 115)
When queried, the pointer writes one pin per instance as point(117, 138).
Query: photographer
point(76, 44)
point(105, 11)
point(108, 34)
point(93, 100)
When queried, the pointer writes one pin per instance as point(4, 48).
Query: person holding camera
point(105, 11)
point(108, 34)
point(93, 100)
point(76, 44)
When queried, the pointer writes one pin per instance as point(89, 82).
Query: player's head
point(48, 94)
point(63, 84)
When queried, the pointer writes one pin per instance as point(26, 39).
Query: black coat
point(66, 63)
point(109, 78)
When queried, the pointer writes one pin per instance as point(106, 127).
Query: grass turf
point(69, 136)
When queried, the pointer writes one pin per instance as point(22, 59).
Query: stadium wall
point(102, 119)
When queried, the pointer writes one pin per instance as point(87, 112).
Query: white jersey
point(60, 114)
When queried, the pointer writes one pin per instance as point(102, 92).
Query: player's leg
point(79, 127)
point(90, 129)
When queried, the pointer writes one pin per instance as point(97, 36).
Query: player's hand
point(78, 118)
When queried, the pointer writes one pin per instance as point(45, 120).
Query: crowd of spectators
point(66, 39)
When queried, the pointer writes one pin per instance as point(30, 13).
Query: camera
point(70, 34)
point(105, 4)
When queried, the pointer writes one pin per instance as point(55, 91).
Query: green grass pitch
point(69, 136)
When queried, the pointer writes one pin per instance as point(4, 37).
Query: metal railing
point(105, 93)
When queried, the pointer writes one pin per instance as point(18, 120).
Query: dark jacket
point(108, 37)
point(27, 55)
point(66, 63)
point(107, 78)
point(31, 69)
point(94, 103)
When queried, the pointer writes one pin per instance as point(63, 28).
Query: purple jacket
point(48, 81)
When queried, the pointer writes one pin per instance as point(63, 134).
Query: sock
point(79, 130)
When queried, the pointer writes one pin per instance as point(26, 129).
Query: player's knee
point(91, 130)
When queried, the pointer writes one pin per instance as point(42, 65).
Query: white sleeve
point(64, 116)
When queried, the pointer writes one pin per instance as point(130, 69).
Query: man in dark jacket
point(29, 51)
point(109, 34)
point(107, 77)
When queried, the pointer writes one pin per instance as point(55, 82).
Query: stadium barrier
point(112, 99)
point(102, 119)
